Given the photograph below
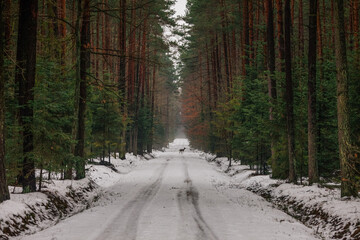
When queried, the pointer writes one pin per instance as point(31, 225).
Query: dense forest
point(277, 84)
point(272, 83)
point(82, 79)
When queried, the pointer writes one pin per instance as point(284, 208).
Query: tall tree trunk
point(218, 66)
point(62, 32)
point(312, 124)
point(347, 165)
point(215, 74)
point(271, 68)
point(131, 75)
point(153, 91)
point(225, 45)
point(122, 76)
point(4, 190)
point(209, 91)
point(142, 137)
point(76, 17)
point(234, 57)
point(250, 16)
point(280, 33)
point(131, 64)
point(84, 69)
point(289, 98)
point(25, 77)
point(246, 36)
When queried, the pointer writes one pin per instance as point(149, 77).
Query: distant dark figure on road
point(182, 150)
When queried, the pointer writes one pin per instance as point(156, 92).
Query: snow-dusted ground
point(180, 197)
point(318, 207)
point(59, 199)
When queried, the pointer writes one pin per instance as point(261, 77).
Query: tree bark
point(131, 49)
point(312, 123)
point(347, 165)
point(218, 67)
point(25, 77)
point(251, 31)
point(122, 76)
point(271, 68)
point(153, 91)
point(84, 68)
point(225, 47)
point(215, 75)
point(289, 98)
point(4, 190)
point(245, 35)
point(280, 33)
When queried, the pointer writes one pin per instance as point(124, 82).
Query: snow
point(106, 177)
point(175, 196)
point(181, 196)
point(31, 212)
point(319, 207)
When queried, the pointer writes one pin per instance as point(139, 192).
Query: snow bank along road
point(178, 197)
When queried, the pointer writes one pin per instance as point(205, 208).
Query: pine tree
point(82, 97)
point(122, 75)
point(289, 98)
point(25, 78)
point(271, 68)
point(4, 191)
point(348, 182)
point(312, 139)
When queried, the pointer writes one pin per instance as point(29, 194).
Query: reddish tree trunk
point(225, 45)
point(143, 59)
point(208, 71)
point(218, 65)
point(97, 43)
point(131, 50)
point(251, 31)
point(233, 55)
point(245, 46)
point(214, 71)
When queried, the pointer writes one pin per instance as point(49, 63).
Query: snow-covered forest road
point(178, 197)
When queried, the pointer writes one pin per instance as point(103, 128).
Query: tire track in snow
point(125, 224)
point(188, 201)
